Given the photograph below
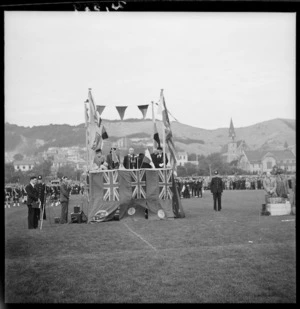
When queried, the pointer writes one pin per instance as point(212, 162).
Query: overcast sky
point(212, 66)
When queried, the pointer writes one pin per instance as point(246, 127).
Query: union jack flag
point(138, 184)
point(165, 184)
point(111, 186)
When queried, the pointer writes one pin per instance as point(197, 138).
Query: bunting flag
point(100, 109)
point(143, 109)
point(168, 131)
point(121, 111)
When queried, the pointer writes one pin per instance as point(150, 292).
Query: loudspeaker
point(76, 209)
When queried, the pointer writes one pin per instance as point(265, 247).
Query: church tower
point(232, 144)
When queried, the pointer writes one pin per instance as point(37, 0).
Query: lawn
point(232, 256)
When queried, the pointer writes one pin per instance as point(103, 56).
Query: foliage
point(18, 157)
point(67, 170)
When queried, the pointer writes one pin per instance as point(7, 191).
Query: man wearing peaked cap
point(216, 188)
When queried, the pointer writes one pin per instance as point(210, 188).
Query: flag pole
point(164, 133)
point(153, 122)
point(86, 137)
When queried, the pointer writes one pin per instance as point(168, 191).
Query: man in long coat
point(216, 188)
point(64, 199)
point(32, 196)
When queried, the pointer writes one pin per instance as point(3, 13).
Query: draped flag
point(130, 192)
point(121, 111)
point(168, 131)
point(143, 109)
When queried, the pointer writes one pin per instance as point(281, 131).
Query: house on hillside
point(24, 165)
point(182, 158)
point(263, 161)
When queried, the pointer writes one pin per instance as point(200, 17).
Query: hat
point(40, 177)
point(159, 148)
point(32, 177)
point(64, 177)
point(98, 150)
point(216, 172)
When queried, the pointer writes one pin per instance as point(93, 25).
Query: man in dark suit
point(216, 188)
point(32, 196)
point(131, 160)
point(64, 199)
point(41, 188)
point(158, 158)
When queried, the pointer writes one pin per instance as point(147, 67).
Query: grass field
point(232, 256)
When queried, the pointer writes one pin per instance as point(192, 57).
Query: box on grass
point(56, 219)
point(279, 209)
point(76, 217)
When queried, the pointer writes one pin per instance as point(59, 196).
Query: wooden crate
point(279, 209)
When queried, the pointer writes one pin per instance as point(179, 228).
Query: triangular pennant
point(143, 109)
point(121, 111)
point(100, 109)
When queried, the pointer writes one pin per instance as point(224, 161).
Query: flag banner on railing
point(130, 190)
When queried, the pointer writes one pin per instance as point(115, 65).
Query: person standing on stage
point(216, 188)
point(131, 160)
point(32, 197)
point(158, 159)
point(113, 159)
point(41, 188)
point(64, 199)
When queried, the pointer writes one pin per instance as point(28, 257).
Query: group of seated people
point(130, 161)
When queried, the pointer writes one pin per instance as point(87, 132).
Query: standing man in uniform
point(32, 197)
point(41, 188)
point(64, 199)
point(216, 188)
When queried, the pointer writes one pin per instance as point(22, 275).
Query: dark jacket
point(41, 187)
point(111, 164)
point(130, 162)
point(216, 185)
point(64, 193)
point(32, 194)
point(158, 160)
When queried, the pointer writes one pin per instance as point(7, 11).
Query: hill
point(265, 135)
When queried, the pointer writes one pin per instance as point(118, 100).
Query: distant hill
point(265, 135)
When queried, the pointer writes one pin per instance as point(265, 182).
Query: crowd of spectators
point(15, 194)
point(195, 186)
